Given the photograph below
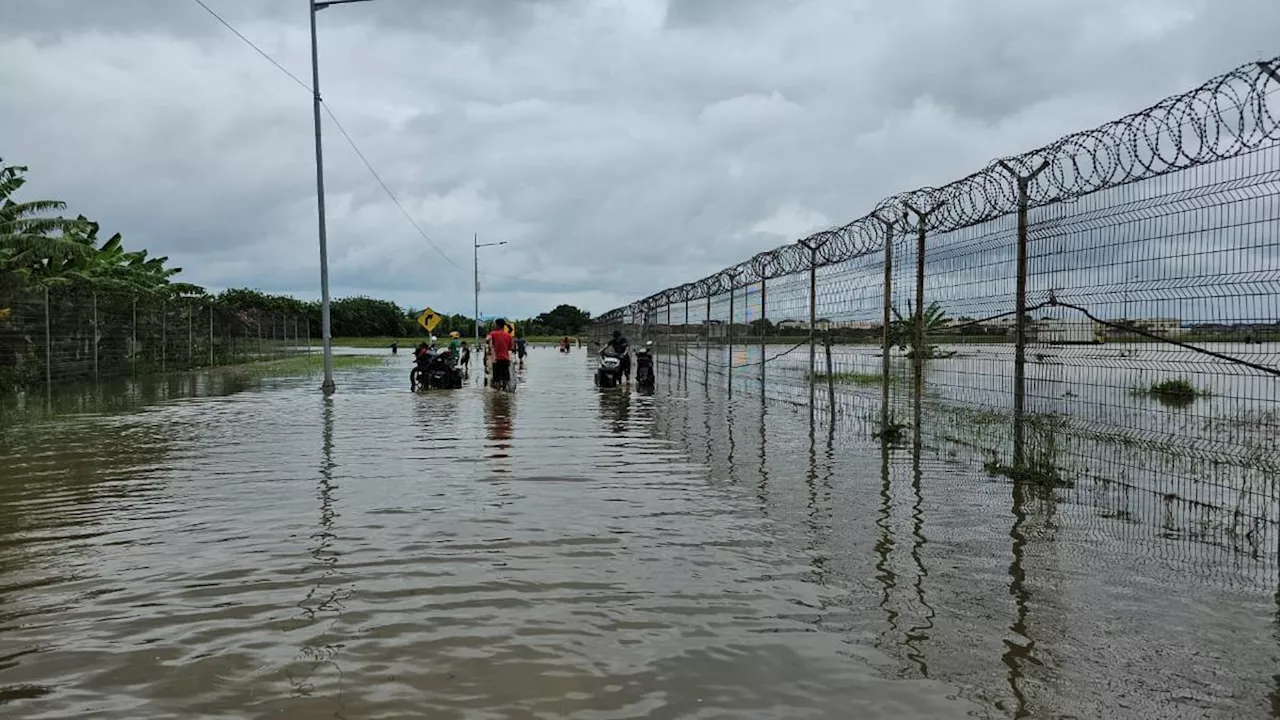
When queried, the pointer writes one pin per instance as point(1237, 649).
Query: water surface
point(258, 549)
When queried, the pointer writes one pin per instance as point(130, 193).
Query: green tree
point(903, 329)
point(30, 235)
point(563, 320)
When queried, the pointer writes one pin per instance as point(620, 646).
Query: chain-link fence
point(1097, 317)
point(53, 337)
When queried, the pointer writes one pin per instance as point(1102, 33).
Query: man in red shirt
point(500, 342)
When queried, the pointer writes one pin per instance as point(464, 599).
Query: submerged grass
point(1178, 392)
point(308, 364)
point(384, 343)
point(852, 378)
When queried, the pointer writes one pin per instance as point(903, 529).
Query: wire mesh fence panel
point(66, 335)
point(1097, 318)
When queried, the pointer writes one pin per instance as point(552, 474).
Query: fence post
point(764, 322)
point(133, 349)
point(211, 335)
point(97, 336)
point(813, 310)
point(706, 346)
point(813, 315)
point(885, 367)
point(1020, 304)
point(667, 340)
point(831, 382)
point(191, 337)
point(308, 335)
point(920, 351)
point(164, 334)
point(48, 347)
point(733, 279)
point(684, 358)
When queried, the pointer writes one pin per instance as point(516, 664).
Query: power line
point(368, 165)
point(386, 189)
point(250, 43)
point(341, 129)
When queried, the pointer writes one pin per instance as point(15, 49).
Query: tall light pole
point(326, 333)
point(475, 255)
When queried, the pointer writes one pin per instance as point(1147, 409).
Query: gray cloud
point(620, 147)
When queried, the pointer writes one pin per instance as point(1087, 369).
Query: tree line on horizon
point(43, 251)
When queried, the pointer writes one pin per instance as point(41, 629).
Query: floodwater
point(254, 549)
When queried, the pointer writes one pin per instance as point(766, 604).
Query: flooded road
point(272, 553)
point(259, 550)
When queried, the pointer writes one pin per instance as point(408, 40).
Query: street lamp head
point(322, 4)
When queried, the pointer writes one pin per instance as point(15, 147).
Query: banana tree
point(904, 329)
point(30, 236)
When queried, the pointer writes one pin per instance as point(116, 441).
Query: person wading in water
point(499, 344)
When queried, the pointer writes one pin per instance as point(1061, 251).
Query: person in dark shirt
point(521, 350)
point(619, 346)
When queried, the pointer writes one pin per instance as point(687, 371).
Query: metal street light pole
point(475, 257)
point(325, 329)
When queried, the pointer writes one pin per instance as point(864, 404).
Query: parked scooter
point(645, 379)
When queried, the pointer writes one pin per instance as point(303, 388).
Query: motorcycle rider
point(620, 347)
point(455, 346)
point(421, 357)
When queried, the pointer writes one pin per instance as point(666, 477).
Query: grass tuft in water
point(1041, 474)
point(851, 378)
point(309, 364)
point(1178, 392)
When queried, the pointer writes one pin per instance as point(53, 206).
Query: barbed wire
point(1224, 117)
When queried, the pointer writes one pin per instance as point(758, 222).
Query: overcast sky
point(619, 146)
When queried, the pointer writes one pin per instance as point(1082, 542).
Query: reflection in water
point(918, 633)
point(153, 559)
point(498, 412)
point(819, 491)
point(1019, 648)
point(615, 408)
point(121, 394)
point(762, 488)
point(1275, 679)
point(730, 446)
point(884, 547)
point(325, 598)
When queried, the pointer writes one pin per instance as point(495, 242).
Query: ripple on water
point(385, 554)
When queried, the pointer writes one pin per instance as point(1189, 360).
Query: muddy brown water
point(249, 548)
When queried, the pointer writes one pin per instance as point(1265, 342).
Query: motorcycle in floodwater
point(645, 379)
point(609, 372)
point(436, 370)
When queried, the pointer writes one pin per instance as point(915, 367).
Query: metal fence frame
point(1016, 220)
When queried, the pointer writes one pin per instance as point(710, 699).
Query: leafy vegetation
point(853, 378)
point(903, 330)
point(75, 304)
point(1178, 392)
point(308, 365)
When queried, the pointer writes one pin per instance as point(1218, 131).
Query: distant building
point(1165, 327)
point(1053, 331)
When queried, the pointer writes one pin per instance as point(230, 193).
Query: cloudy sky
point(619, 146)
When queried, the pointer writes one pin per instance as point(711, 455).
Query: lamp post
point(475, 256)
point(326, 334)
